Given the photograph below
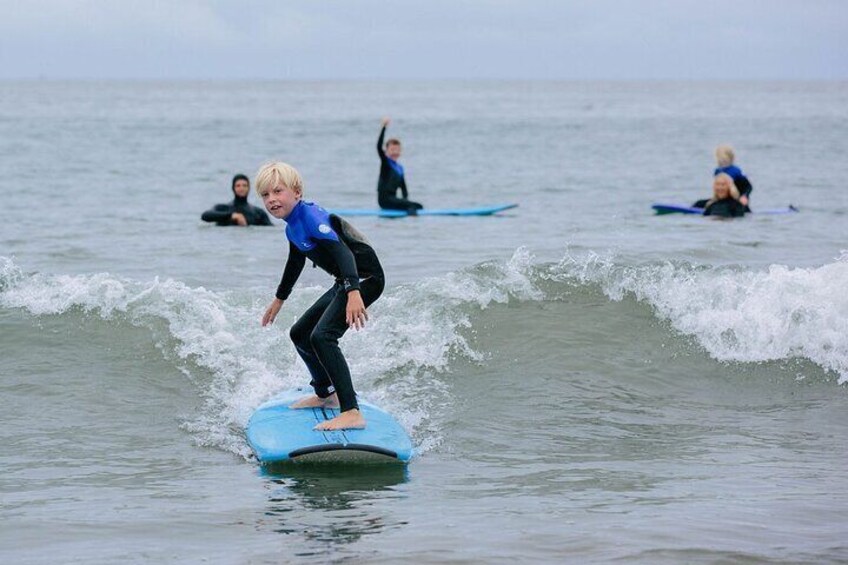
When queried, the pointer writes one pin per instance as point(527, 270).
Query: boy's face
point(393, 151)
point(280, 200)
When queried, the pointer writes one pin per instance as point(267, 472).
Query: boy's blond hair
point(724, 155)
point(276, 172)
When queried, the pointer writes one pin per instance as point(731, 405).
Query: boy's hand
point(355, 313)
point(271, 312)
point(744, 200)
point(385, 121)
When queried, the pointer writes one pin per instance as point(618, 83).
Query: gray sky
point(350, 39)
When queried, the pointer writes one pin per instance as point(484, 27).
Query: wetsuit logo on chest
point(324, 228)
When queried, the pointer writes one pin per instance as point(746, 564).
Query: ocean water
point(583, 381)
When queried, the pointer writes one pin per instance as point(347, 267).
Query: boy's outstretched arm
point(383, 124)
point(294, 266)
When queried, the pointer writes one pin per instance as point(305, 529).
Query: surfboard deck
point(277, 434)
point(662, 209)
point(478, 211)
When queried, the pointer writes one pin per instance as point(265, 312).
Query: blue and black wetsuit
point(392, 179)
point(222, 214)
point(338, 248)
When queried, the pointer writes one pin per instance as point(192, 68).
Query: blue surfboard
point(479, 211)
point(278, 434)
point(662, 209)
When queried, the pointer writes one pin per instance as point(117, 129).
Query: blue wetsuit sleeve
point(294, 266)
point(343, 257)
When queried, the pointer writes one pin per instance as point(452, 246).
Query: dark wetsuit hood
point(240, 200)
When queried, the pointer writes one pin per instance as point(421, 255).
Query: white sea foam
point(402, 359)
point(738, 315)
point(207, 330)
point(398, 361)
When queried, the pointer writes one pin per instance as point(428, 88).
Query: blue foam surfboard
point(682, 209)
point(277, 434)
point(479, 211)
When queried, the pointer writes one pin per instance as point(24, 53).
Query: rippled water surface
point(583, 381)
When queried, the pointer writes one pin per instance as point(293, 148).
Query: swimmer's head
point(393, 149)
point(241, 185)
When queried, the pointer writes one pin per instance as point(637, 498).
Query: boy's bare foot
point(350, 420)
point(314, 401)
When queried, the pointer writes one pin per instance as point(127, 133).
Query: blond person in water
point(725, 201)
point(335, 246)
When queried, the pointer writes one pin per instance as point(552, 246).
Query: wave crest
point(736, 314)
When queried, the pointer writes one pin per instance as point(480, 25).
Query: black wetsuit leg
point(301, 333)
point(316, 337)
point(390, 202)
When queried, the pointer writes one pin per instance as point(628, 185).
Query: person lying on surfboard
point(338, 248)
point(391, 176)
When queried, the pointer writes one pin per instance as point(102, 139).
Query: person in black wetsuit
point(338, 248)
point(391, 176)
point(725, 201)
point(238, 212)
